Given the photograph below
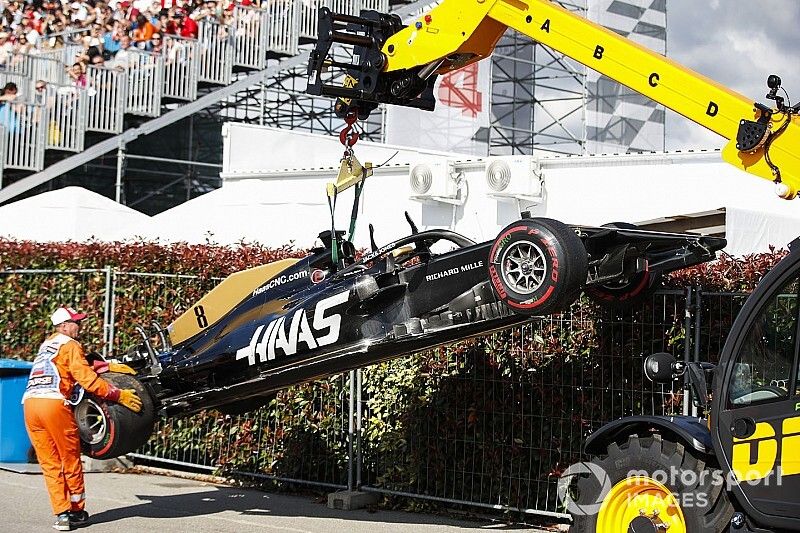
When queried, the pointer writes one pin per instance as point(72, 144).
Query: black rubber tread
point(650, 454)
point(127, 431)
point(570, 263)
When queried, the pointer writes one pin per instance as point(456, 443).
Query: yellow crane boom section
point(460, 32)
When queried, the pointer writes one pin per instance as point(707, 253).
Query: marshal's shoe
point(62, 522)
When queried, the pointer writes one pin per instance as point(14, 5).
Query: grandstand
point(124, 72)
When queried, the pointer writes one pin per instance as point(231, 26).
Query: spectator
point(6, 48)
point(8, 93)
point(40, 92)
point(77, 75)
point(111, 40)
point(79, 13)
point(97, 61)
point(124, 57)
point(157, 44)
point(187, 26)
point(143, 32)
point(8, 116)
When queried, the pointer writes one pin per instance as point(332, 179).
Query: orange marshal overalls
point(58, 366)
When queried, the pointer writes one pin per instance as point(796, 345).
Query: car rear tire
point(626, 292)
point(108, 429)
point(537, 266)
point(669, 478)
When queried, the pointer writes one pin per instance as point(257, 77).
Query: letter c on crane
point(653, 80)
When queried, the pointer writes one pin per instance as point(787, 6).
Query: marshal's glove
point(101, 367)
point(130, 399)
point(121, 369)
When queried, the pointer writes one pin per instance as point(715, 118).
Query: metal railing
point(308, 17)
point(308, 12)
point(106, 98)
point(181, 67)
point(250, 29)
point(56, 41)
point(52, 53)
point(24, 84)
point(24, 125)
point(66, 117)
point(216, 53)
point(2, 151)
point(38, 67)
point(145, 83)
point(71, 53)
point(282, 23)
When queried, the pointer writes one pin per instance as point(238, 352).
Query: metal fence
point(66, 117)
point(489, 423)
point(25, 127)
point(181, 67)
point(307, 13)
point(281, 26)
point(145, 83)
point(216, 53)
point(250, 29)
point(107, 94)
point(37, 67)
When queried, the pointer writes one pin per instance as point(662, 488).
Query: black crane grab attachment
point(365, 84)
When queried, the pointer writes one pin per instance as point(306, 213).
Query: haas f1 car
point(297, 320)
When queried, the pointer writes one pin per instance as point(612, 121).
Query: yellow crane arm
point(398, 65)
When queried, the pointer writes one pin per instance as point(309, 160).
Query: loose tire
point(690, 497)
point(626, 292)
point(108, 429)
point(537, 266)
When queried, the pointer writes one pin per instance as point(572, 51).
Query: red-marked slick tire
point(537, 266)
point(108, 429)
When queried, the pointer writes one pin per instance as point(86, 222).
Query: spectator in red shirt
point(188, 27)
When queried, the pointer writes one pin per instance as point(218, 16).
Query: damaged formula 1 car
point(294, 321)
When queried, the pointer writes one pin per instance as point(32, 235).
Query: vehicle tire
point(108, 429)
point(629, 291)
point(537, 266)
point(609, 500)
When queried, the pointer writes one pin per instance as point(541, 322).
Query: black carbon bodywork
point(393, 301)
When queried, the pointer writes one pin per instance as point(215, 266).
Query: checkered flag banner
point(619, 120)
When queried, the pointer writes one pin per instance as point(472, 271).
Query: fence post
point(120, 171)
point(359, 407)
point(107, 313)
point(698, 311)
point(350, 431)
point(687, 348)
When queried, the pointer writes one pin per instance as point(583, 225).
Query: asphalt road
point(122, 503)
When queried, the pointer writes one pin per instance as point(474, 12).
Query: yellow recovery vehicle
point(736, 467)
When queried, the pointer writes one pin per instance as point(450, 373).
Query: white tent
point(247, 210)
point(755, 226)
point(68, 214)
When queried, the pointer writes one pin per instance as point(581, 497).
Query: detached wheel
point(107, 429)
point(537, 266)
point(629, 291)
point(671, 491)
